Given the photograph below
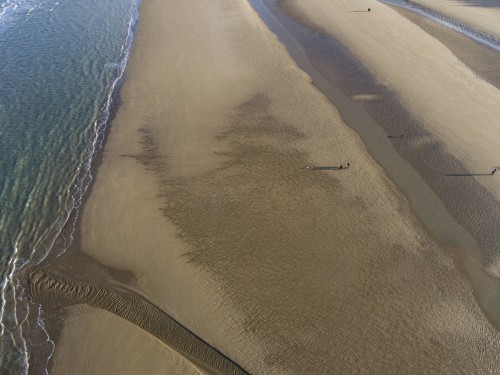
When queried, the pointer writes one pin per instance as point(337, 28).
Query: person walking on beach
point(493, 171)
point(344, 166)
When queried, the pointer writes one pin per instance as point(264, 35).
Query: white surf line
point(41, 324)
point(20, 327)
point(76, 192)
point(75, 200)
point(476, 35)
point(7, 283)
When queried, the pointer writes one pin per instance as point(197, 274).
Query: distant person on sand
point(369, 9)
point(344, 166)
point(493, 171)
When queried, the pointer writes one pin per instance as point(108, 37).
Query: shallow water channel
point(394, 138)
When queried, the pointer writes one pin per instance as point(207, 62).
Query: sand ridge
point(139, 352)
point(55, 290)
point(483, 15)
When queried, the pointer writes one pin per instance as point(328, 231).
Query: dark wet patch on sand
point(150, 156)
point(254, 120)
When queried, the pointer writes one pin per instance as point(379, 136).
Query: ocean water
point(60, 63)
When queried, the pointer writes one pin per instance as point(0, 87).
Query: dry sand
point(126, 349)
point(204, 194)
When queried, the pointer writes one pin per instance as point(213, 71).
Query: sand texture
point(109, 345)
point(483, 15)
point(219, 191)
point(455, 105)
point(53, 289)
point(482, 59)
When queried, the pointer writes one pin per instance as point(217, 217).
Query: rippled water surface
point(60, 61)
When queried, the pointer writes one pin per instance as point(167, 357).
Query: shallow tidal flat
point(205, 197)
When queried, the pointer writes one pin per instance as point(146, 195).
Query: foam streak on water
point(85, 177)
point(15, 12)
point(462, 28)
point(55, 105)
point(41, 324)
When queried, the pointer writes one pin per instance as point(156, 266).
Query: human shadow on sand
point(466, 174)
point(316, 168)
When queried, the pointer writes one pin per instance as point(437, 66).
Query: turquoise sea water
point(60, 61)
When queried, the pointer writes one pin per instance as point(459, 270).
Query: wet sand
point(57, 291)
point(463, 125)
point(479, 58)
point(402, 60)
point(483, 15)
point(434, 181)
point(218, 192)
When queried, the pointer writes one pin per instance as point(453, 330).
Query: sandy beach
point(220, 198)
point(139, 352)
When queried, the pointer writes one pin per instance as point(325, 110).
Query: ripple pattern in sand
point(55, 290)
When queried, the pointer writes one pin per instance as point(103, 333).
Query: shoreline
point(106, 277)
point(72, 226)
point(94, 271)
point(55, 290)
point(175, 207)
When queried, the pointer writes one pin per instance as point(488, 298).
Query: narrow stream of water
point(425, 203)
point(416, 170)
